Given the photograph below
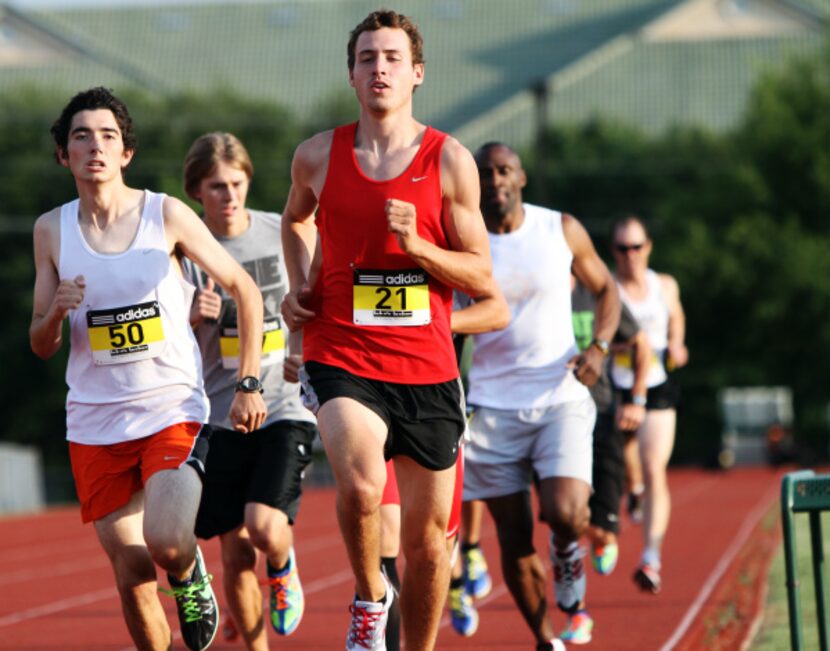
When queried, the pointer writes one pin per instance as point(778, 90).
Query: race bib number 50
point(125, 334)
point(394, 297)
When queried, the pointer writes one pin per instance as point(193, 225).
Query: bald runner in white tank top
point(531, 413)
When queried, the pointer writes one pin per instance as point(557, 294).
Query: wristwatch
point(249, 384)
point(601, 344)
point(638, 399)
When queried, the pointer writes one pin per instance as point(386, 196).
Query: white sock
point(651, 557)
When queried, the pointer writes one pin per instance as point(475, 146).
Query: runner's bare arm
point(591, 271)
point(187, 233)
point(630, 416)
point(466, 266)
point(678, 353)
point(53, 298)
point(488, 311)
point(299, 234)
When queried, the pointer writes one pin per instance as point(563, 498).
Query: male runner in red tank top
point(398, 227)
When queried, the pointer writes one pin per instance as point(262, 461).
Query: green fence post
point(788, 524)
point(819, 577)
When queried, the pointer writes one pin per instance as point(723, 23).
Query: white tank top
point(652, 313)
point(524, 365)
point(134, 365)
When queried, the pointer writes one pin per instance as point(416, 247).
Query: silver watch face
point(249, 384)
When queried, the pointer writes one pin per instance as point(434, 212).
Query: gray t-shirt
point(583, 306)
point(259, 251)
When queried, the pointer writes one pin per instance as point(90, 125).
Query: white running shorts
point(508, 445)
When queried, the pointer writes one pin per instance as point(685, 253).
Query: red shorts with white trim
point(107, 476)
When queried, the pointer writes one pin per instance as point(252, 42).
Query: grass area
point(774, 633)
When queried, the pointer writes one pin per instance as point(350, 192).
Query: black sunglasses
point(625, 248)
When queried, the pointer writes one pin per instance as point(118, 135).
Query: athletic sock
point(272, 570)
point(467, 546)
point(570, 549)
point(389, 567)
point(456, 583)
point(651, 557)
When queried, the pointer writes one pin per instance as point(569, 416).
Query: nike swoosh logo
point(169, 458)
point(415, 179)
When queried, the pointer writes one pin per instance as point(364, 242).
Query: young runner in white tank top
point(134, 365)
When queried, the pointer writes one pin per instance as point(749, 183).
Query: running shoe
point(569, 580)
point(463, 613)
point(477, 579)
point(554, 645)
point(604, 558)
point(287, 600)
point(635, 507)
point(647, 578)
point(579, 628)
point(197, 607)
point(368, 628)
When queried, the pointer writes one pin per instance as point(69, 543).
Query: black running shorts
point(608, 473)
point(425, 421)
point(265, 466)
point(663, 396)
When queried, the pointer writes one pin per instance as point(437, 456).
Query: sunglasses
point(625, 248)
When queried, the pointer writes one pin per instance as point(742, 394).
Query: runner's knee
point(360, 496)
point(171, 550)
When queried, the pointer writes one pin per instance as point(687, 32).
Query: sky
point(110, 4)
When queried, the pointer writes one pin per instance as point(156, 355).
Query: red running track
point(56, 588)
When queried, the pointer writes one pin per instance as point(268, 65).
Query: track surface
point(57, 593)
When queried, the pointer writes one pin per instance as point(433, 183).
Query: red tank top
point(378, 315)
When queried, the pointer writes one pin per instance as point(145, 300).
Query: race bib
point(624, 360)
point(273, 345)
point(397, 297)
point(125, 334)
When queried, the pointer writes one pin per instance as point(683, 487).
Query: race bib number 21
point(393, 297)
point(125, 334)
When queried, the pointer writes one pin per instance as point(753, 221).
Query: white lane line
point(741, 537)
point(326, 582)
point(28, 552)
point(57, 606)
point(54, 569)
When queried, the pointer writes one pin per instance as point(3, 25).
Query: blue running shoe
point(287, 599)
point(463, 613)
point(477, 579)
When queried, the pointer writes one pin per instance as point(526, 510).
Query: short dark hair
point(91, 100)
point(387, 18)
point(494, 144)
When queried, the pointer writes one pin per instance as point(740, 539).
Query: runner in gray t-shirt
point(253, 481)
